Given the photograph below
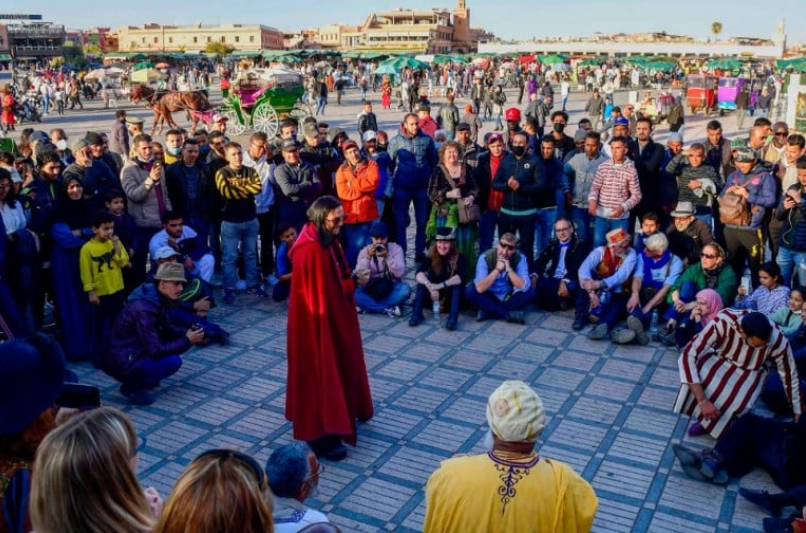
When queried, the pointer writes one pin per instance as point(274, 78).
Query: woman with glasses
point(712, 272)
point(328, 387)
point(439, 280)
point(220, 491)
point(85, 478)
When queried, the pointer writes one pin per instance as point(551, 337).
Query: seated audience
point(603, 277)
point(687, 234)
point(788, 317)
point(501, 287)
point(553, 280)
point(86, 477)
point(464, 493)
point(193, 251)
point(293, 472)
point(774, 394)
point(439, 279)
point(708, 304)
point(220, 491)
point(770, 296)
point(385, 291)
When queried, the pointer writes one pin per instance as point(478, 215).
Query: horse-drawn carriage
point(262, 97)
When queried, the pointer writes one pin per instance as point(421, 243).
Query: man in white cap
point(510, 488)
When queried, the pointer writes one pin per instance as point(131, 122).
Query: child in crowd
point(100, 263)
point(789, 316)
point(769, 296)
point(287, 235)
point(650, 225)
point(125, 228)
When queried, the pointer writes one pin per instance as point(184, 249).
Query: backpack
point(734, 209)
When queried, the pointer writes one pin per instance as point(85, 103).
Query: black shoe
point(516, 317)
point(450, 325)
point(762, 499)
point(415, 320)
point(777, 525)
point(579, 323)
point(338, 453)
point(481, 316)
point(137, 397)
point(329, 447)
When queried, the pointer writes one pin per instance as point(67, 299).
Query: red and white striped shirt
point(731, 371)
point(615, 185)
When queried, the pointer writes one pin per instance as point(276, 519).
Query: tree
point(73, 54)
point(220, 49)
point(716, 29)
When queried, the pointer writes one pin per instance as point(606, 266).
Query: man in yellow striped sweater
point(238, 185)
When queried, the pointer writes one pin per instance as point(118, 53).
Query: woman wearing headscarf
point(707, 304)
point(71, 229)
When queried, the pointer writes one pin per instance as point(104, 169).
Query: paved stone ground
point(609, 407)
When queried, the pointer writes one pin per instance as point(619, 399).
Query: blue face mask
point(174, 151)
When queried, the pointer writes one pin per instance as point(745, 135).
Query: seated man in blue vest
point(501, 286)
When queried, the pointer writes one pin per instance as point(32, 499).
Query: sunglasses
point(506, 246)
point(257, 470)
point(708, 256)
point(781, 133)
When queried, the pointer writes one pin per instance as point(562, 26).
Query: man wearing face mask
point(564, 143)
point(143, 181)
point(190, 186)
point(521, 178)
point(173, 146)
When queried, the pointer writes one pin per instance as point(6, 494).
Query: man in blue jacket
point(414, 157)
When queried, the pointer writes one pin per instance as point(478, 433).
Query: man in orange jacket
point(356, 183)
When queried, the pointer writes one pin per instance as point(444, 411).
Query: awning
point(5, 57)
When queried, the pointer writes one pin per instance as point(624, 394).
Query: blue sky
point(504, 17)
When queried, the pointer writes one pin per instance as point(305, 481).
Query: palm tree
point(716, 29)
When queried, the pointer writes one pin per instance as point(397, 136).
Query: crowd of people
point(128, 243)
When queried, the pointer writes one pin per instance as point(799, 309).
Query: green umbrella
point(795, 63)
point(592, 62)
point(400, 63)
point(143, 64)
point(724, 64)
point(662, 66)
point(552, 59)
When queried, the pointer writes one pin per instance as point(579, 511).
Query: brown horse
point(164, 103)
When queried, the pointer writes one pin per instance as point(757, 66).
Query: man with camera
point(386, 264)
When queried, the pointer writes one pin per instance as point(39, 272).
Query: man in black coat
point(648, 157)
point(554, 277)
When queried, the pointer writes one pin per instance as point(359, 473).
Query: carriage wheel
point(234, 125)
point(300, 111)
point(265, 119)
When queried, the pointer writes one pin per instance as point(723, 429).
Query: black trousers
point(524, 227)
point(267, 240)
point(745, 246)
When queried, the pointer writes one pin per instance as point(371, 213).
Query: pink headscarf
point(714, 302)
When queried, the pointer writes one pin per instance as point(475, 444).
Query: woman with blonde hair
point(221, 491)
point(84, 478)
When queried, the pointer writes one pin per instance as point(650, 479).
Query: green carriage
point(262, 98)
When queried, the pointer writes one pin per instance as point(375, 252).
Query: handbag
point(381, 286)
point(734, 209)
point(467, 213)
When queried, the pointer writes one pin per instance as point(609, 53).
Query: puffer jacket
point(414, 159)
point(531, 175)
point(356, 188)
point(142, 330)
point(760, 186)
point(793, 235)
point(143, 203)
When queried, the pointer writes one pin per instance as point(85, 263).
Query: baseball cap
point(290, 144)
point(165, 252)
point(621, 121)
point(369, 135)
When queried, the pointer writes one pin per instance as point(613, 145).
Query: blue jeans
point(46, 104)
point(356, 237)
point(146, 373)
point(544, 227)
point(490, 304)
point(687, 293)
point(792, 262)
point(321, 102)
point(244, 234)
point(601, 226)
point(582, 221)
point(402, 199)
point(487, 230)
point(400, 293)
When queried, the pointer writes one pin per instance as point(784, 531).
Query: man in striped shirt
point(238, 185)
point(614, 192)
point(722, 370)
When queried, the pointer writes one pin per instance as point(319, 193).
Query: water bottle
point(435, 310)
point(653, 326)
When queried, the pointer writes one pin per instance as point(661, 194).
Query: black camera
point(380, 248)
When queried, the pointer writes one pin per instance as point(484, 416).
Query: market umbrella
point(146, 75)
point(322, 64)
point(96, 74)
point(400, 63)
point(560, 67)
point(724, 64)
point(662, 66)
point(143, 65)
point(591, 62)
point(795, 63)
point(386, 69)
point(552, 59)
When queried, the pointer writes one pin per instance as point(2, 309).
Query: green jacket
point(726, 283)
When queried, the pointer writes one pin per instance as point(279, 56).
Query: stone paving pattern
point(609, 407)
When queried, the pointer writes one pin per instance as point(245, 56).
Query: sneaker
point(623, 336)
point(762, 499)
point(481, 316)
point(579, 323)
point(393, 312)
point(666, 339)
point(257, 291)
point(696, 430)
point(516, 317)
point(450, 325)
point(229, 297)
point(598, 333)
point(634, 324)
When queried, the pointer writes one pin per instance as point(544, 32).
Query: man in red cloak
point(328, 387)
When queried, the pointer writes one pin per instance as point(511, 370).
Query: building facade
point(161, 38)
point(35, 40)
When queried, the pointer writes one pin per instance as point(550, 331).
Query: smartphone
point(79, 396)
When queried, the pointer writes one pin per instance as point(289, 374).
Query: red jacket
point(356, 189)
point(428, 126)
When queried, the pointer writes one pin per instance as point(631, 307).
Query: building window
point(144, 40)
point(170, 40)
point(209, 39)
point(237, 39)
point(195, 40)
point(223, 39)
point(251, 38)
point(156, 40)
